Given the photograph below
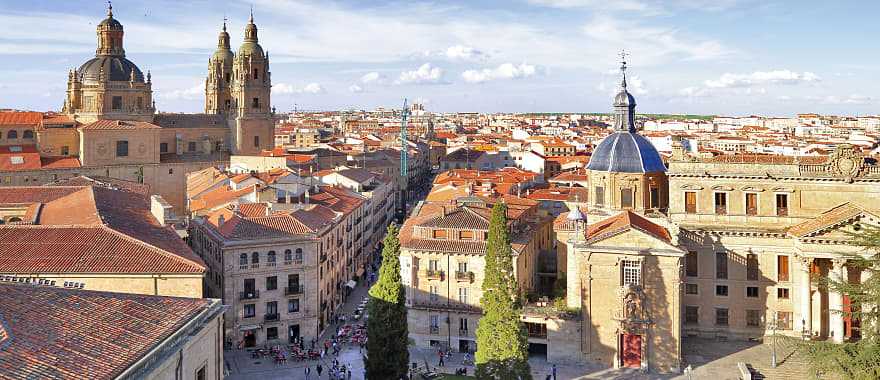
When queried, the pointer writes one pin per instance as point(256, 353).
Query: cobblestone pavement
point(709, 359)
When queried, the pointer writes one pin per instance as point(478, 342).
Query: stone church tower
point(109, 86)
point(218, 100)
point(253, 127)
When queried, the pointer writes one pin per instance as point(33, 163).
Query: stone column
point(835, 302)
point(806, 296)
point(866, 326)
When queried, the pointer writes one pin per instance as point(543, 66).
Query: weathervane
point(623, 54)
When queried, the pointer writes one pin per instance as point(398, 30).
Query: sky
point(722, 57)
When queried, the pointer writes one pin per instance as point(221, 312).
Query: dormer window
point(439, 234)
point(466, 235)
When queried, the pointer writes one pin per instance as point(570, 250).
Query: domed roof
point(223, 55)
point(116, 68)
point(110, 22)
point(250, 48)
point(624, 98)
point(626, 152)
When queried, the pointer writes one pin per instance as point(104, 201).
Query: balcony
point(434, 274)
point(751, 211)
point(294, 290)
point(464, 276)
point(249, 295)
point(463, 332)
point(720, 210)
point(435, 330)
point(271, 317)
point(782, 211)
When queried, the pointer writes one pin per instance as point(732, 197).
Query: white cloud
point(854, 99)
point(786, 77)
point(374, 77)
point(425, 74)
point(503, 71)
point(355, 89)
point(465, 53)
point(653, 43)
point(192, 93)
point(289, 89)
point(623, 5)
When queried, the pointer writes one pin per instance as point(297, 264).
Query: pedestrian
point(440, 353)
point(554, 371)
point(324, 351)
point(319, 369)
point(348, 375)
point(308, 372)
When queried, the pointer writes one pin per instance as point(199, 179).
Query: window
point(270, 258)
point(255, 103)
point(250, 310)
point(752, 291)
point(720, 203)
point(692, 264)
point(271, 333)
point(28, 134)
point(288, 256)
point(122, 148)
point(271, 283)
point(626, 198)
point(256, 141)
point(781, 204)
point(753, 318)
point(117, 103)
point(600, 195)
point(690, 202)
point(781, 268)
point(163, 147)
point(242, 259)
point(256, 74)
point(721, 265)
point(782, 293)
point(655, 197)
point(255, 258)
point(299, 254)
point(13, 134)
point(272, 307)
point(691, 315)
point(463, 325)
point(65, 150)
point(466, 235)
point(433, 290)
point(783, 320)
point(191, 146)
point(462, 266)
point(751, 204)
point(200, 374)
point(721, 317)
point(433, 265)
point(439, 234)
point(632, 272)
point(250, 286)
point(752, 267)
point(721, 290)
point(462, 295)
point(691, 289)
point(228, 102)
point(293, 305)
point(435, 324)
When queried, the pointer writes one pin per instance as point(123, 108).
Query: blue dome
point(626, 152)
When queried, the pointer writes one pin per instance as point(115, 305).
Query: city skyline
point(695, 57)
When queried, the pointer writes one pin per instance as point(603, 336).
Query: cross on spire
point(109, 8)
point(224, 21)
point(623, 54)
point(252, 14)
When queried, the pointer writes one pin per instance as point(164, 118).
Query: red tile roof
point(60, 162)
point(53, 333)
point(840, 214)
point(119, 125)
point(623, 222)
point(19, 157)
point(18, 118)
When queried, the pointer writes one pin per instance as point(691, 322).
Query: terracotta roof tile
point(839, 214)
point(18, 118)
point(623, 222)
point(53, 333)
point(119, 125)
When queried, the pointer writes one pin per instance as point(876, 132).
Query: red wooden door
point(847, 317)
point(632, 350)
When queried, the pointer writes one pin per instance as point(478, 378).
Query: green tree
point(502, 346)
point(387, 334)
point(857, 360)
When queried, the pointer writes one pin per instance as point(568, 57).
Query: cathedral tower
point(218, 99)
point(253, 125)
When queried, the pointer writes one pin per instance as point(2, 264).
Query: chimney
point(161, 210)
point(307, 196)
point(221, 220)
point(268, 208)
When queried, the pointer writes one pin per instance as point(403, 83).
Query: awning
point(351, 284)
point(248, 327)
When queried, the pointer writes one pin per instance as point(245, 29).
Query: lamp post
point(773, 327)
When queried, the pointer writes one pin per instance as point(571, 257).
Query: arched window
point(299, 254)
point(270, 257)
point(242, 260)
point(28, 134)
point(288, 256)
point(13, 134)
point(255, 258)
point(14, 219)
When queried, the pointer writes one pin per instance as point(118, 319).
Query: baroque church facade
point(109, 124)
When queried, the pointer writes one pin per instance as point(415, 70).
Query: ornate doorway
point(631, 350)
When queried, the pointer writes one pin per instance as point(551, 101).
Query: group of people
point(337, 371)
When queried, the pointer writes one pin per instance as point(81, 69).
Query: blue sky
point(732, 57)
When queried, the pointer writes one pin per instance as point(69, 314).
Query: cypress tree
point(502, 347)
point(387, 334)
point(857, 360)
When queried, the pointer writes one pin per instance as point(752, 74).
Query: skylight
point(16, 160)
